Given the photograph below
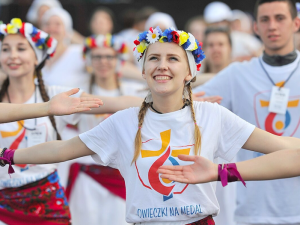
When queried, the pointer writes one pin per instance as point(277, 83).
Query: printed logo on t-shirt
point(278, 124)
point(153, 181)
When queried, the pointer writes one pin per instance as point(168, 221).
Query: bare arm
point(277, 165)
point(114, 104)
point(202, 79)
point(52, 152)
point(265, 142)
point(60, 104)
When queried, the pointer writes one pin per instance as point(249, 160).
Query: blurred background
point(81, 10)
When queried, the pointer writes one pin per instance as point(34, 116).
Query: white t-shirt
point(68, 70)
point(14, 135)
point(246, 91)
point(164, 136)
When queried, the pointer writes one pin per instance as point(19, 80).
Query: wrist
point(46, 108)
point(215, 172)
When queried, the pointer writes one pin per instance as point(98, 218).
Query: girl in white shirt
point(139, 141)
point(24, 50)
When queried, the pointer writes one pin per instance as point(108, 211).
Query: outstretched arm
point(61, 104)
point(277, 165)
point(52, 152)
point(114, 104)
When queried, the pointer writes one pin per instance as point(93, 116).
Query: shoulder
point(126, 115)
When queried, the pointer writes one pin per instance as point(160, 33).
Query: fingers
point(180, 179)
point(72, 91)
point(212, 99)
point(91, 99)
point(190, 158)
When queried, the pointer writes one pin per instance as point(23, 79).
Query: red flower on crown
point(36, 37)
point(22, 29)
point(49, 42)
point(175, 37)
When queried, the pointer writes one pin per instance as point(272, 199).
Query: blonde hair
point(141, 116)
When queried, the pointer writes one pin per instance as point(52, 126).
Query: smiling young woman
point(137, 141)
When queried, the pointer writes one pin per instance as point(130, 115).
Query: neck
point(280, 60)
point(109, 83)
point(167, 104)
point(20, 89)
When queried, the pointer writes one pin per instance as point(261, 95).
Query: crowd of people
point(138, 127)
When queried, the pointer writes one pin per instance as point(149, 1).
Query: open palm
point(63, 104)
point(202, 171)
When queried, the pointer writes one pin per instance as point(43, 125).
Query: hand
point(62, 104)
point(199, 97)
point(202, 171)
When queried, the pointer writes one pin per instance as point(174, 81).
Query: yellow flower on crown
point(14, 25)
point(183, 37)
point(142, 47)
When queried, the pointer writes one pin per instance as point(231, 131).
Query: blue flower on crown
point(168, 35)
point(143, 36)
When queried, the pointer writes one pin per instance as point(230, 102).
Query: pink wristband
point(229, 173)
point(8, 158)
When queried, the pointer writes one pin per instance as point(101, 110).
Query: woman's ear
point(188, 77)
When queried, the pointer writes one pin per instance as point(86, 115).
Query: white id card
point(37, 136)
point(279, 100)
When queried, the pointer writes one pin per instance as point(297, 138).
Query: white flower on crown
point(100, 40)
point(28, 28)
point(137, 54)
point(2, 29)
point(153, 35)
point(193, 44)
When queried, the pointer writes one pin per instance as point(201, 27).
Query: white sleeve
point(234, 134)
point(102, 140)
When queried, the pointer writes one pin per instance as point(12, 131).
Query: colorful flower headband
point(186, 40)
point(43, 45)
point(108, 40)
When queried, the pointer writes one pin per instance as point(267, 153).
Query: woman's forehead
point(15, 38)
point(165, 48)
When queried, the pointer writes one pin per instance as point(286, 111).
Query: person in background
point(218, 47)
point(104, 54)
point(102, 21)
point(196, 26)
point(163, 20)
point(247, 89)
point(244, 46)
point(38, 9)
point(241, 21)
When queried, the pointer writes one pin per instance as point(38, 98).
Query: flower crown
point(107, 40)
point(40, 39)
point(186, 40)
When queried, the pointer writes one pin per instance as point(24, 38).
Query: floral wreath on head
point(107, 40)
point(37, 38)
point(186, 40)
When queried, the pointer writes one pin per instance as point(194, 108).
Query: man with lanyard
point(266, 92)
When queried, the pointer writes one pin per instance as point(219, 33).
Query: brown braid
point(138, 137)
point(46, 98)
point(197, 134)
point(92, 81)
point(4, 89)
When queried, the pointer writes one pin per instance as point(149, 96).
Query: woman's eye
point(4, 49)
point(174, 58)
point(153, 58)
point(21, 49)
